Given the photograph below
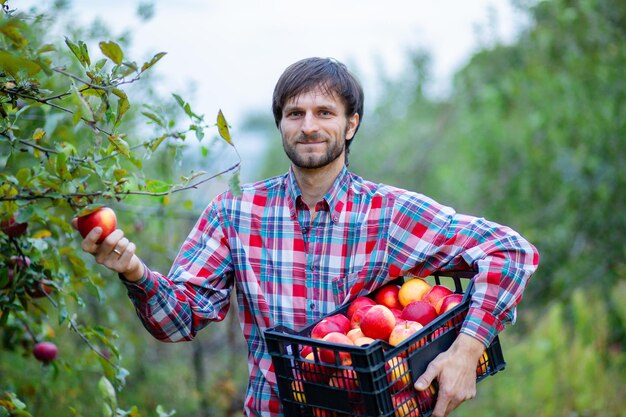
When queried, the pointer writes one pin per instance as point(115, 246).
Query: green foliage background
point(532, 136)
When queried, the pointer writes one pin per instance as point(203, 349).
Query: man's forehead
point(318, 92)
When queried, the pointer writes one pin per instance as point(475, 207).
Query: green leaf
point(61, 166)
point(152, 116)
point(157, 186)
point(234, 184)
point(162, 413)
point(186, 107)
point(38, 134)
point(113, 51)
point(23, 176)
point(84, 52)
point(79, 51)
point(107, 391)
point(120, 144)
point(222, 128)
point(122, 104)
point(83, 111)
point(15, 64)
point(153, 61)
point(157, 142)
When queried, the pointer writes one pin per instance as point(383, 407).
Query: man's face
point(314, 129)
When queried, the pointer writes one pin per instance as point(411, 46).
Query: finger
point(75, 223)
point(90, 242)
point(429, 375)
point(127, 254)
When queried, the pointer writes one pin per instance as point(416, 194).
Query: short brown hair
point(310, 73)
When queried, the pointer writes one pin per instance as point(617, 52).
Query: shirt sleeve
point(426, 237)
point(197, 289)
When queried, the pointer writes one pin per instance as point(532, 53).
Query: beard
point(309, 161)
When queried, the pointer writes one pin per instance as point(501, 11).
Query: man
point(299, 245)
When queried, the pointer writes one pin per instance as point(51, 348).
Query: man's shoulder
point(262, 188)
point(363, 186)
point(394, 194)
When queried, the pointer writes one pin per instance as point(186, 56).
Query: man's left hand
point(455, 372)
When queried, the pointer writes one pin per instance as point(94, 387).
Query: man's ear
point(353, 123)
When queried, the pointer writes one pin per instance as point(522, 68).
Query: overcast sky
point(233, 51)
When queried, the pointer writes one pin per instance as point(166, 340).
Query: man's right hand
point(116, 252)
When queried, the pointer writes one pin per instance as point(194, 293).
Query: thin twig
point(174, 189)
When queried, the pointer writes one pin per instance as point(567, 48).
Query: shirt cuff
point(144, 288)
point(481, 325)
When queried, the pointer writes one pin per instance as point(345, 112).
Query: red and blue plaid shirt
point(291, 269)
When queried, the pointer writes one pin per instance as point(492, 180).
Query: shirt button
point(312, 306)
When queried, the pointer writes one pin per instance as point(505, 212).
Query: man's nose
point(309, 124)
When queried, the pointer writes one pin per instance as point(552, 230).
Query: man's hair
point(326, 73)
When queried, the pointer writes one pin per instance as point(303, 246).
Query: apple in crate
point(450, 302)
point(436, 295)
point(378, 322)
point(419, 311)
point(357, 303)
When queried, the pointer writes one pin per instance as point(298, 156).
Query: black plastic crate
point(377, 379)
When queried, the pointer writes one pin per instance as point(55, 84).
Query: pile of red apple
point(393, 313)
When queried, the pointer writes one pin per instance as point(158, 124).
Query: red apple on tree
point(45, 352)
point(103, 217)
point(12, 228)
point(40, 289)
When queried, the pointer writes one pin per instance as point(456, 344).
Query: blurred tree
point(71, 119)
point(531, 136)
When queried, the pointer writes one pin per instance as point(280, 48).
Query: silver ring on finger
point(117, 251)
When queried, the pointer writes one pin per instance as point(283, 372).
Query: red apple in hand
point(419, 311)
point(45, 351)
point(102, 217)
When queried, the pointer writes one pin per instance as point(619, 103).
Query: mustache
point(306, 138)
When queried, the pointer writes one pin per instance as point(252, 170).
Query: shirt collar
point(335, 197)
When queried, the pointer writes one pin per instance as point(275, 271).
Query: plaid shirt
point(289, 269)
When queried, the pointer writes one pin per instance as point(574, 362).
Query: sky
point(228, 54)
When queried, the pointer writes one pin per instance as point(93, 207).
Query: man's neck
point(315, 183)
